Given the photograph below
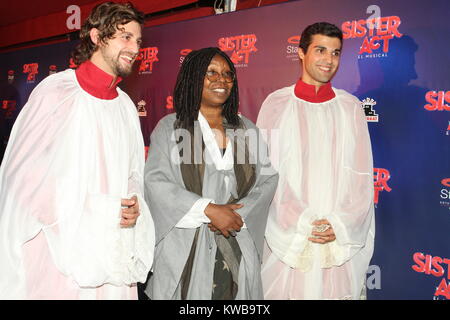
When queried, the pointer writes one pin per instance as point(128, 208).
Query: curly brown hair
point(106, 17)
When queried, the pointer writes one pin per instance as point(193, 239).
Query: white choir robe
point(324, 159)
point(70, 160)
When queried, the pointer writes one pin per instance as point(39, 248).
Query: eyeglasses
point(213, 76)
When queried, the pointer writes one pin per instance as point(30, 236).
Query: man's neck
point(316, 85)
point(97, 82)
point(99, 62)
point(312, 93)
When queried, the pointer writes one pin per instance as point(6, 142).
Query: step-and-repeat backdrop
point(395, 60)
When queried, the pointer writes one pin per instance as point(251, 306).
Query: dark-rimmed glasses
point(213, 76)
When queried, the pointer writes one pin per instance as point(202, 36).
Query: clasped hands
point(129, 212)
point(324, 236)
point(224, 218)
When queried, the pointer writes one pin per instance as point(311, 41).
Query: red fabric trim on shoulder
point(97, 82)
point(308, 93)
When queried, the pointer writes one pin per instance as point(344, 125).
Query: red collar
point(96, 82)
point(308, 93)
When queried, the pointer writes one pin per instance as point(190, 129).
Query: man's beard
point(117, 67)
point(120, 70)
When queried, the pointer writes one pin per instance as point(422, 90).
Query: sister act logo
point(147, 57)
point(376, 34)
point(240, 47)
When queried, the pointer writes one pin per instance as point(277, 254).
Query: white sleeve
point(196, 216)
point(352, 219)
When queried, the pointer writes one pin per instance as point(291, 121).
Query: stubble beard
point(120, 70)
point(116, 65)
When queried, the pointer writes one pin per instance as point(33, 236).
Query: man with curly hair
point(73, 222)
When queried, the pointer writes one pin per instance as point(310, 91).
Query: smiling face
point(216, 93)
point(117, 56)
point(321, 60)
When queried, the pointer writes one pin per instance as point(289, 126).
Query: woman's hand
point(224, 218)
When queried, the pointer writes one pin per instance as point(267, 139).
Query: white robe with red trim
point(322, 152)
point(70, 160)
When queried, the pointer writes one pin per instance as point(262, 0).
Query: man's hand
point(224, 218)
point(130, 212)
point(325, 236)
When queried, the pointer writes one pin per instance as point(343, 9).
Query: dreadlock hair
point(189, 87)
point(106, 17)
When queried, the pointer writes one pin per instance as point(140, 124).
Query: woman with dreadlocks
point(209, 185)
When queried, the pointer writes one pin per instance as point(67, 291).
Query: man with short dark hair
point(73, 222)
point(320, 231)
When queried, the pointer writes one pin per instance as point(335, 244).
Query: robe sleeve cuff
point(100, 251)
point(196, 216)
point(336, 253)
point(298, 254)
point(339, 228)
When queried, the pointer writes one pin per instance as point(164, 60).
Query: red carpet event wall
point(395, 60)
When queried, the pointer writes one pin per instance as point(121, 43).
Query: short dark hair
point(106, 17)
point(323, 28)
point(188, 91)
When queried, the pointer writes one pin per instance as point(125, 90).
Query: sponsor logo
point(445, 193)
point(141, 108)
point(292, 48)
point(10, 108)
point(240, 47)
point(147, 56)
point(10, 76)
point(169, 102)
point(446, 182)
point(437, 101)
point(376, 34)
point(435, 266)
point(183, 54)
point(32, 69)
point(367, 104)
point(52, 69)
point(380, 176)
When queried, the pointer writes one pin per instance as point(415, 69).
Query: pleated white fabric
point(70, 160)
point(324, 160)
